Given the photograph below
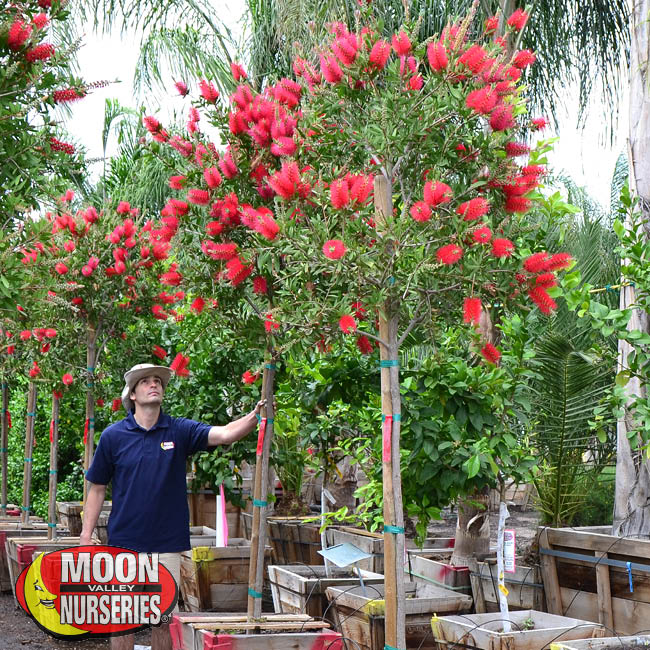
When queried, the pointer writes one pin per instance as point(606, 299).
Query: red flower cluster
point(334, 249)
point(249, 378)
point(180, 365)
point(261, 221)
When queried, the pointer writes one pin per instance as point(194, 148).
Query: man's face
point(148, 390)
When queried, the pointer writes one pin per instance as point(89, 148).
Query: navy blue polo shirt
point(147, 468)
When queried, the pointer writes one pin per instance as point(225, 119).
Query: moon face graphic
point(41, 603)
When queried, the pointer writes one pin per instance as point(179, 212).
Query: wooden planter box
point(69, 515)
point(294, 541)
point(361, 618)
point(455, 578)
point(525, 588)
point(605, 643)
point(484, 631)
point(216, 579)
point(18, 530)
point(204, 631)
point(301, 589)
point(21, 551)
point(203, 508)
point(585, 574)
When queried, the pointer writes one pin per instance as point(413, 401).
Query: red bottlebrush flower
point(69, 246)
point(67, 379)
point(285, 181)
point(11, 349)
point(518, 19)
point(171, 278)
point(214, 228)
point(208, 91)
point(364, 345)
point(237, 271)
point(259, 285)
point(249, 378)
point(473, 209)
point(219, 251)
point(538, 123)
point(541, 298)
point(269, 323)
point(67, 95)
point(558, 261)
point(524, 58)
point(25, 334)
point(19, 32)
point(99, 402)
point(482, 235)
point(472, 310)
point(449, 254)
point(334, 249)
point(212, 177)
point(345, 48)
point(90, 215)
point(41, 52)
point(515, 149)
point(347, 324)
point(182, 88)
point(361, 187)
point(159, 352)
point(359, 310)
point(158, 312)
point(437, 193)
point(179, 365)
point(420, 211)
point(330, 69)
point(546, 280)
point(123, 207)
point(502, 247)
point(58, 145)
point(197, 305)
point(502, 118)
point(415, 83)
point(437, 56)
point(151, 124)
point(77, 301)
point(198, 197)
point(401, 43)
point(35, 370)
point(379, 54)
point(49, 333)
point(536, 263)
point(491, 24)
point(339, 193)
point(61, 268)
point(473, 58)
point(177, 182)
point(490, 353)
point(238, 71)
point(227, 166)
point(513, 73)
point(283, 146)
point(482, 100)
point(115, 405)
point(517, 204)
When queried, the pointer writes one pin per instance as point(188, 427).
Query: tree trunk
point(472, 529)
point(4, 446)
point(394, 542)
point(54, 469)
point(631, 512)
point(89, 427)
point(260, 496)
point(29, 450)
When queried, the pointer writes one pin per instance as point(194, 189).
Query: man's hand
point(85, 539)
point(261, 405)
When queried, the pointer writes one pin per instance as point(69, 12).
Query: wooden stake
point(29, 450)
point(54, 447)
point(395, 621)
point(260, 496)
point(91, 356)
point(4, 446)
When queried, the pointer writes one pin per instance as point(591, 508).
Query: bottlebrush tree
point(102, 268)
point(384, 189)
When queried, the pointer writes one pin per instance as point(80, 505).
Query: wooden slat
point(549, 575)
point(577, 539)
point(293, 627)
point(604, 594)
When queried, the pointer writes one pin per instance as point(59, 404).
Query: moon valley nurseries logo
point(96, 591)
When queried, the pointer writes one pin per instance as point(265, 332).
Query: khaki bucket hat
point(135, 374)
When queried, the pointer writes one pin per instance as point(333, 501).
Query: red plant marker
point(260, 437)
point(388, 436)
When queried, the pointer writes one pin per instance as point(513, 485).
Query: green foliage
point(598, 506)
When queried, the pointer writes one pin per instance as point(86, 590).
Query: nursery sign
point(91, 591)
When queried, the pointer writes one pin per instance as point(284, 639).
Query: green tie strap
point(254, 594)
point(51, 525)
point(270, 366)
point(260, 504)
point(395, 530)
point(33, 415)
point(28, 460)
point(390, 647)
point(397, 417)
point(389, 363)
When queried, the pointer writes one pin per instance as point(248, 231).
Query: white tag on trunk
point(509, 544)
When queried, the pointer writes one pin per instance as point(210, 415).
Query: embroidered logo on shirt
point(167, 445)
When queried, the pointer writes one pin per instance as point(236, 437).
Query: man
point(144, 456)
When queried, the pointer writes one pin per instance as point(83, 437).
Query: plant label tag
point(509, 544)
point(167, 445)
